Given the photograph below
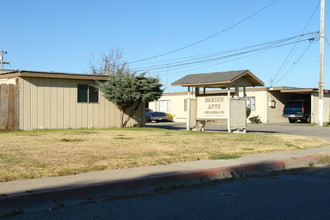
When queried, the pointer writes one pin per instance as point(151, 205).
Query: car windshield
point(159, 114)
point(296, 104)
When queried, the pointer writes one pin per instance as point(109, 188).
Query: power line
point(204, 66)
point(286, 74)
point(290, 54)
point(207, 38)
point(327, 41)
point(190, 27)
point(227, 54)
point(294, 64)
point(214, 59)
point(197, 57)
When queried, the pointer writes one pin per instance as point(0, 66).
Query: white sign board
point(8, 81)
point(212, 107)
point(238, 114)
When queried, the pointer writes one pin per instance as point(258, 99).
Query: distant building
point(267, 102)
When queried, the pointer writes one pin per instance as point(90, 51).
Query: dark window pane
point(82, 93)
point(294, 104)
point(93, 94)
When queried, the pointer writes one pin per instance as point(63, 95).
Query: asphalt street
point(295, 195)
point(302, 129)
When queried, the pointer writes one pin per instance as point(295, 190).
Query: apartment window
point(251, 103)
point(88, 94)
point(164, 105)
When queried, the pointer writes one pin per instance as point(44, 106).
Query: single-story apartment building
point(266, 103)
point(32, 100)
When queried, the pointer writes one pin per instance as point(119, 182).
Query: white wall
point(176, 105)
point(262, 97)
point(315, 108)
point(260, 104)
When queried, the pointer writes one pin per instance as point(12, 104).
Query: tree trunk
point(122, 112)
point(133, 110)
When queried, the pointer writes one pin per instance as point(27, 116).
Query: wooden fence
point(9, 107)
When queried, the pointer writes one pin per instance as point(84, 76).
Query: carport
point(203, 106)
point(281, 95)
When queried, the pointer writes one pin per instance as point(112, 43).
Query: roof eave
point(255, 80)
point(202, 84)
point(53, 75)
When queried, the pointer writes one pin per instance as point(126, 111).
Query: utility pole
point(321, 79)
point(2, 53)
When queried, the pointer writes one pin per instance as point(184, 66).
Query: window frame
point(162, 104)
point(251, 104)
point(86, 92)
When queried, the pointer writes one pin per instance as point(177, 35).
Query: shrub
point(248, 112)
point(169, 116)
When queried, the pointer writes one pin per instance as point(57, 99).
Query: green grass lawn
point(34, 154)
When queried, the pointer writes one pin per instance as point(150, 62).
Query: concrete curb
point(77, 194)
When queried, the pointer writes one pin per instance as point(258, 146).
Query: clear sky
point(173, 37)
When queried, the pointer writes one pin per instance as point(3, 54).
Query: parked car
point(297, 110)
point(156, 116)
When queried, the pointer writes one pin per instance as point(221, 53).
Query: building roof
point(242, 78)
point(55, 75)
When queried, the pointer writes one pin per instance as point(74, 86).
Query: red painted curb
point(163, 181)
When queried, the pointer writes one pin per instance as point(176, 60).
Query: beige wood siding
point(274, 114)
point(52, 104)
point(9, 105)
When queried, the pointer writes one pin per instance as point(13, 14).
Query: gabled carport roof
point(228, 79)
point(285, 89)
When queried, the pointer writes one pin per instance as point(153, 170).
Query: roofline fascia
point(202, 84)
point(53, 75)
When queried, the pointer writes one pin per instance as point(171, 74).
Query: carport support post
point(188, 110)
point(237, 90)
point(321, 63)
point(228, 114)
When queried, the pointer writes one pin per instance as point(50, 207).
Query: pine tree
point(128, 91)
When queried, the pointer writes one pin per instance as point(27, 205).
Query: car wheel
point(308, 120)
point(292, 120)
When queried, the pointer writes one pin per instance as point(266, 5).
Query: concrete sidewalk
point(49, 193)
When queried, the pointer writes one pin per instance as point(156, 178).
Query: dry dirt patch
point(34, 154)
